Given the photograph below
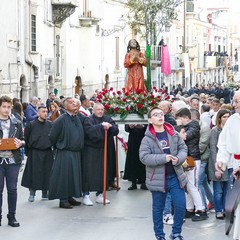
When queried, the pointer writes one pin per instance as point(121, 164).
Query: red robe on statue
point(134, 62)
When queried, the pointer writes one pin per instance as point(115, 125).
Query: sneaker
point(31, 198)
point(210, 208)
point(178, 237)
point(168, 219)
point(189, 214)
point(200, 216)
point(87, 201)
point(220, 215)
point(100, 199)
point(160, 238)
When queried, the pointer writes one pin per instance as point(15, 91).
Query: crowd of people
point(183, 159)
point(64, 144)
point(198, 117)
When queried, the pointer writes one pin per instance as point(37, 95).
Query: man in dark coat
point(67, 136)
point(51, 98)
point(227, 95)
point(134, 168)
point(93, 153)
point(31, 110)
point(165, 106)
point(195, 206)
point(40, 155)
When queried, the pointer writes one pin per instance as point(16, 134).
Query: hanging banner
point(166, 65)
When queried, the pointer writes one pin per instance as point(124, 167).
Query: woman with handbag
point(220, 182)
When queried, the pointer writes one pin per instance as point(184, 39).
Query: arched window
point(78, 85)
point(23, 83)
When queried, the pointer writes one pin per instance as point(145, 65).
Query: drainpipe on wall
point(28, 58)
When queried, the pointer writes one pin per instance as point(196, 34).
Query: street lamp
point(116, 28)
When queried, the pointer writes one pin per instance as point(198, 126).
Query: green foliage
point(123, 103)
point(147, 15)
point(233, 85)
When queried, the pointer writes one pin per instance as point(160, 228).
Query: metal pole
point(184, 39)
point(105, 167)
point(117, 175)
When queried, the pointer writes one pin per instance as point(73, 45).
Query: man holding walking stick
point(93, 153)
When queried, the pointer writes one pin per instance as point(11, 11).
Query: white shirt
point(86, 111)
point(229, 140)
point(206, 118)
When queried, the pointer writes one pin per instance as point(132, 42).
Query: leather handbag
point(7, 144)
point(190, 162)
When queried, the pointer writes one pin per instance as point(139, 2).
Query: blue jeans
point(168, 205)
point(219, 195)
point(10, 173)
point(179, 204)
point(204, 187)
point(85, 193)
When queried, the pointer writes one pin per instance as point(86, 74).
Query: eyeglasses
point(158, 114)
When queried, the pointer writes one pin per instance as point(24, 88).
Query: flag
point(165, 66)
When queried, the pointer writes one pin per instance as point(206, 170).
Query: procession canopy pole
point(117, 175)
point(105, 167)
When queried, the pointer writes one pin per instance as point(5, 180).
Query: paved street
point(128, 217)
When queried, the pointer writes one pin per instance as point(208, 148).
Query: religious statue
point(134, 62)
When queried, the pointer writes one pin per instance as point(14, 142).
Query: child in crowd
point(163, 151)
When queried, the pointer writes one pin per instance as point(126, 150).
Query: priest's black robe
point(39, 155)
point(93, 153)
point(67, 136)
point(134, 169)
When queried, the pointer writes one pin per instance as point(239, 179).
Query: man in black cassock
point(93, 153)
point(39, 153)
point(67, 136)
point(135, 171)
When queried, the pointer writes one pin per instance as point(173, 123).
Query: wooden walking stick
point(105, 167)
point(117, 177)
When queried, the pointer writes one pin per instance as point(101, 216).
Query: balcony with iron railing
point(214, 61)
point(87, 19)
point(155, 56)
point(62, 9)
point(175, 59)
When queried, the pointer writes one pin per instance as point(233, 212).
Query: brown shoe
point(65, 205)
point(112, 187)
point(73, 202)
